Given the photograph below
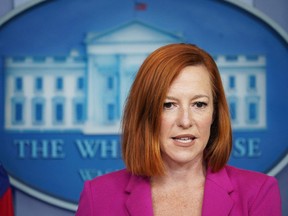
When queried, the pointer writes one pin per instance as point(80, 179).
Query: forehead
point(192, 78)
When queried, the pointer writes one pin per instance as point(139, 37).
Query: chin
point(182, 159)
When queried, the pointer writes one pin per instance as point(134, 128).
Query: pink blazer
point(230, 191)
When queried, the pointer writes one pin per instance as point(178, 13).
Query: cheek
point(205, 123)
point(163, 131)
point(166, 127)
point(166, 122)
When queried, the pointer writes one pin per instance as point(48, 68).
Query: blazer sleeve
point(85, 202)
point(268, 200)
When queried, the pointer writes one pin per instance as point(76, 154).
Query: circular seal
point(65, 76)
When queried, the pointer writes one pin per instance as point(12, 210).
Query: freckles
point(164, 121)
point(168, 118)
point(206, 122)
point(208, 117)
point(165, 124)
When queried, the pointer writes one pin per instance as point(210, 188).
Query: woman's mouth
point(184, 138)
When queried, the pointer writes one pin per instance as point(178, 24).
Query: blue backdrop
point(53, 28)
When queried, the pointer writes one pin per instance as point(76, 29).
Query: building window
point(252, 115)
point(111, 112)
point(231, 83)
point(233, 110)
point(58, 110)
point(80, 83)
point(110, 83)
point(252, 84)
point(79, 110)
point(59, 84)
point(18, 84)
point(18, 111)
point(38, 110)
point(38, 84)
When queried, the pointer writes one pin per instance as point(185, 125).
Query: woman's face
point(187, 117)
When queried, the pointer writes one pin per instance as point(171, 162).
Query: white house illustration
point(87, 93)
point(244, 79)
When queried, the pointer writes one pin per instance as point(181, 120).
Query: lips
point(185, 138)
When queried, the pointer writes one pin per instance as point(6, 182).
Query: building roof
point(133, 32)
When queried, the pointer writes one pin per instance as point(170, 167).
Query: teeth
point(184, 140)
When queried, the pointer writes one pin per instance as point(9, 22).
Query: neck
point(179, 173)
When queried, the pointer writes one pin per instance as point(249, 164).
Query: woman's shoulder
point(257, 191)
point(103, 187)
point(246, 174)
point(104, 194)
point(250, 180)
point(115, 178)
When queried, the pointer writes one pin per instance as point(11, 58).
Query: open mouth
point(184, 139)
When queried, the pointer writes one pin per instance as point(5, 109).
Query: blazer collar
point(217, 199)
point(139, 201)
point(216, 202)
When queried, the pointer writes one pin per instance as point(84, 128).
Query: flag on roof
point(140, 6)
point(6, 201)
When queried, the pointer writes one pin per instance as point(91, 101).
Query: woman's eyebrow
point(194, 97)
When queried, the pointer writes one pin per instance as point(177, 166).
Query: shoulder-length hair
point(142, 114)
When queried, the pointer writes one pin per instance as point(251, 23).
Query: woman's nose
point(185, 118)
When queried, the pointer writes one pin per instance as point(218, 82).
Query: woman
point(176, 142)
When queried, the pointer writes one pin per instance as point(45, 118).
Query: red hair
point(142, 114)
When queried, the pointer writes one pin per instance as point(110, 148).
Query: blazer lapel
point(139, 201)
point(217, 200)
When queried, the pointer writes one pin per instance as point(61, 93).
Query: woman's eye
point(200, 104)
point(168, 105)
